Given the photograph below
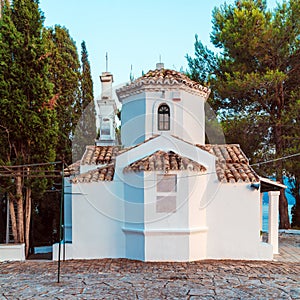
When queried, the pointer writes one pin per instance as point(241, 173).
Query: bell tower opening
point(107, 110)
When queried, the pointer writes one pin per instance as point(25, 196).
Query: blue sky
point(133, 32)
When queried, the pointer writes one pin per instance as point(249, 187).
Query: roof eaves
point(268, 185)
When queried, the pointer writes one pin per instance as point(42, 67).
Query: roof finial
point(106, 57)
point(131, 77)
point(160, 65)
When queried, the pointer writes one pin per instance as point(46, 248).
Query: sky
point(134, 32)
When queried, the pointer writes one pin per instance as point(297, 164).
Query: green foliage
point(30, 127)
point(85, 133)
point(28, 123)
point(40, 103)
point(65, 77)
point(255, 78)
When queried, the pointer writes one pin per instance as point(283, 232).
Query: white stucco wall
point(120, 218)
point(178, 236)
point(12, 252)
point(166, 235)
point(133, 120)
point(193, 118)
point(133, 226)
point(233, 220)
point(97, 214)
point(140, 118)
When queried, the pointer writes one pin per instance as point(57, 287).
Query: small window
point(164, 117)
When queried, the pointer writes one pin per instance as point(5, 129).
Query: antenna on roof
point(106, 58)
point(160, 65)
point(131, 77)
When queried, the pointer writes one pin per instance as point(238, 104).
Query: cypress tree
point(86, 127)
point(65, 76)
point(28, 123)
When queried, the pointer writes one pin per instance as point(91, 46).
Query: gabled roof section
point(95, 155)
point(164, 161)
point(155, 79)
point(105, 173)
point(232, 164)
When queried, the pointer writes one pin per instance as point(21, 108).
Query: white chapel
point(163, 194)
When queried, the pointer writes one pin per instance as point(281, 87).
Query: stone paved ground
point(289, 248)
point(125, 279)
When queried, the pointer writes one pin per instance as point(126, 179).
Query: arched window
point(164, 117)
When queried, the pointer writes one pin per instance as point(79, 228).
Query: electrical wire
point(47, 173)
point(276, 159)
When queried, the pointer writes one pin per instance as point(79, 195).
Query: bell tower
point(107, 110)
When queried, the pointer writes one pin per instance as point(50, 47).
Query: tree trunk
point(13, 220)
point(284, 221)
point(27, 219)
point(19, 199)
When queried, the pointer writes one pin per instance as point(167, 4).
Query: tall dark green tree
point(256, 70)
point(65, 76)
point(27, 123)
point(86, 128)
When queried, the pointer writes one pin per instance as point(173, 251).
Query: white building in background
point(165, 195)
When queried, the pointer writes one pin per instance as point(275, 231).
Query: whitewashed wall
point(97, 214)
point(133, 120)
point(12, 252)
point(140, 118)
point(233, 220)
point(186, 113)
point(133, 226)
point(178, 236)
point(212, 220)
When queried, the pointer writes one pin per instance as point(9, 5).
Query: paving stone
point(126, 279)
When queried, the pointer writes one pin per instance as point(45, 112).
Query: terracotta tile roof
point(231, 165)
point(105, 173)
point(164, 161)
point(95, 155)
point(163, 77)
point(73, 169)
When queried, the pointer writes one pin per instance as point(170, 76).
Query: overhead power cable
point(275, 159)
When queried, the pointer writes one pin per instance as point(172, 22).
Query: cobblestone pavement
point(125, 279)
point(289, 248)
